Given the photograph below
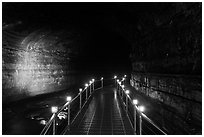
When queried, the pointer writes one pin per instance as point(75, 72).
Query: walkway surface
point(103, 116)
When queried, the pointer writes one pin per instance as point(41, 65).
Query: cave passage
point(50, 50)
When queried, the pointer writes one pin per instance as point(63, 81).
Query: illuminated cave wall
point(35, 64)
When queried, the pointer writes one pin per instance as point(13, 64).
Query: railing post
point(119, 88)
point(86, 93)
point(80, 94)
point(69, 98)
point(135, 120)
point(68, 116)
point(93, 86)
point(127, 104)
point(93, 80)
point(54, 110)
point(140, 124)
point(135, 102)
point(102, 82)
point(122, 88)
point(90, 90)
point(115, 77)
point(122, 92)
point(54, 125)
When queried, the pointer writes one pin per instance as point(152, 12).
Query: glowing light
point(54, 109)
point(123, 79)
point(80, 90)
point(69, 98)
point(86, 85)
point(125, 76)
point(117, 80)
point(122, 86)
point(101, 78)
point(43, 122)
point(141, 108)
point(115, 77)
point(135, 101)
point(90, 82)
point(127, 92)
point(93, 80)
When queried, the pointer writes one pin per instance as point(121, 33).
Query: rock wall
point(36, 63)
point(182, 94)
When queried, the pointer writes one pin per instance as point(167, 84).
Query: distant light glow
point(54, 109)
point(43, 122)
point(127, 92)
point(69, 98)
point(125, 76)
point(135, 101)
point(93, 80)
point(86, 85)
point(80, 89)
point(122, 86)
point(115, 77)
point(141, 108)
point(101, 78)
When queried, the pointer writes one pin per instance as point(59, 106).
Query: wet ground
point(27, 116)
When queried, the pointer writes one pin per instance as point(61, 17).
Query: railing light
point(69, 98)
point(135, 101)
point(86, 85)
point(93, 80)
point(54, 109)
point(101, 78)
point(122, 86)
point(90, 82)
point(115, 77)
point(80, 90)
point(125, 76)
point(127, 92)
point(117, 80)
point(141, 108)
point(123, 79)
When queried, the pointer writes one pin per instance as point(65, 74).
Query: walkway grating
point(103, 116)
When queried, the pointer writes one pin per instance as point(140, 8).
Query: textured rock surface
point(181, 94)
point(36, 63)
point(167, 60)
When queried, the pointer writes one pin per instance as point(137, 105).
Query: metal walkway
point(99, 110)
point(104, 116)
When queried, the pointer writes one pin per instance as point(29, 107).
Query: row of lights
point(123, 77)
point(54, 109)
point(127, 92)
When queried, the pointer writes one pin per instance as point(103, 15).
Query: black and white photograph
point(101, 68)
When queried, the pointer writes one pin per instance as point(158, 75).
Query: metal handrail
point(142, 115)
point(51, 120)
point(47, 126)
point(136, 107)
